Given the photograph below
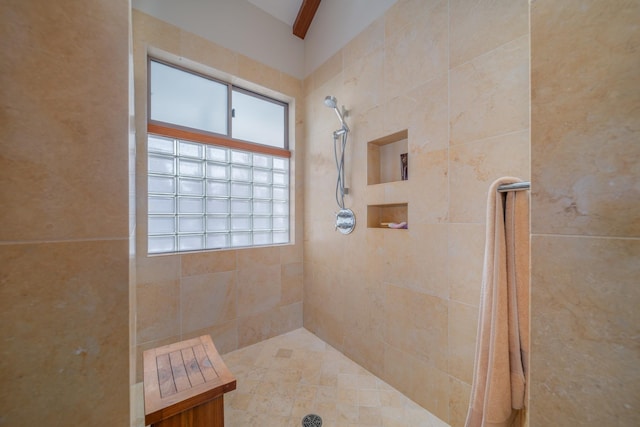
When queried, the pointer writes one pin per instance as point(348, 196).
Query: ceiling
point(297, 14)
point(284, 10)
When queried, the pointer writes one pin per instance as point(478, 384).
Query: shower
point(345, 218)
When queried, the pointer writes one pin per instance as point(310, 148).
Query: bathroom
point(546, 91)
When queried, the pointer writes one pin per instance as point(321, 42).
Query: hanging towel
point(498, 392)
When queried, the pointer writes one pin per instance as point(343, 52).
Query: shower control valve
point(345, 221)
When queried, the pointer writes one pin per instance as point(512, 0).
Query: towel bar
point(516, 186)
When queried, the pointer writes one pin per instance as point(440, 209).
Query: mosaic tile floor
point(282, 379)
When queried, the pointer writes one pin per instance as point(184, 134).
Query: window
point(218, 164)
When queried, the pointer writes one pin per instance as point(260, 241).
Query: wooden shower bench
point(184, 384)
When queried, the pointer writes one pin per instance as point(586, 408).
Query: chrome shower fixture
point(345, 219)
point(332, 102)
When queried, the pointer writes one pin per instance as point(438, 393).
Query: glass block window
point(218, 163)
point(202, 196)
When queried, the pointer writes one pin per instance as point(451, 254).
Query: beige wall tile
point(466, 254)
point(64, 304)
point(479, 27)
point(292, 280)
point(583, 327)
point(327, 326)
point(586, 90)
point(365, 350)
point(458, 402)
point(148, 30)
point(255, 71)
point(207, 262)
point(427, 386)
point(158, 310)
point(428, 119)
point(598, 196)
point(463, 327)
point(362, 78)
point(292, 87)
point(64, 311)
point(371, 125)
point(257, 257)
point(374, 265)
point(368, 41)
point(474, 166)
point(327, 247)
point(157, 268)
point(259, 289)
point(423, 112)
point(417, 53)
point(405, 13)
point(416, 260)
point(224, 335)
point(490, 94)
point(261, 326)
point(207, 300)
point(206, 53)
point(59, 167)
point(290, 254)
point(364, 310)
point(328, 290)
point(328, 70)
point(584, 290)
point(417, 324)
point(429, 186)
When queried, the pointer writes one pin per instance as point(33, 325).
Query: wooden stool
point(184, 384)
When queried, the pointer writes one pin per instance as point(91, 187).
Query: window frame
point(188, 134)
point(160, 128)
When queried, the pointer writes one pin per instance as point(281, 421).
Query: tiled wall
point(585, 247)
point(238, 296)
point(404, 303)
point(64, 234)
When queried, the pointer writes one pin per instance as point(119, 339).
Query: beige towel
point(501, 364)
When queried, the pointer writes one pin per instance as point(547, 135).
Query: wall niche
point(380, 216)
point(385, 158)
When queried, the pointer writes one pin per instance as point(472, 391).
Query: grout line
point(585, 236)
point(487, 138)
point(180, 277)
point(36, 242)
point(489, 51)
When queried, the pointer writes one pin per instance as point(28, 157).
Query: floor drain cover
point(311, 420)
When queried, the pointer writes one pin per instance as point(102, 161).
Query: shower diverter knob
point(345, 221)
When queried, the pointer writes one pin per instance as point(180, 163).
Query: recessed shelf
point(384, 158)
point(382, 214)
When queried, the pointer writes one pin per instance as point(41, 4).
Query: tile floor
point(282, 379)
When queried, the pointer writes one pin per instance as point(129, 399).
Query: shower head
point(332, 102)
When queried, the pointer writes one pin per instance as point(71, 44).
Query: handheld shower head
point(332, 102)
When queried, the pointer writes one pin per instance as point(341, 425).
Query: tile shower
point(401, 303)
point(455, 84)
point(455, 77)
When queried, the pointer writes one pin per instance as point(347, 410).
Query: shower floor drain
point(311, 420)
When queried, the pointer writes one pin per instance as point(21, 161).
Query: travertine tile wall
point(404, 303)
point(585, 247)
point(64, 304)
point(238, 296)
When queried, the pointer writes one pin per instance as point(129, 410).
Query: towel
point(498, 392)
